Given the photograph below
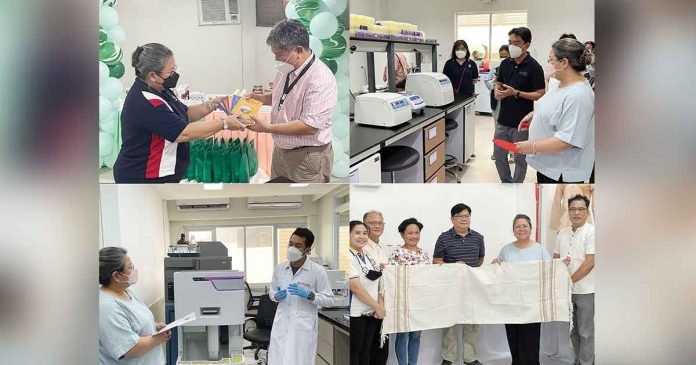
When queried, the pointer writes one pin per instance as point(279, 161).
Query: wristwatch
point(518, 94)
point(224, 124)
point(311, 297)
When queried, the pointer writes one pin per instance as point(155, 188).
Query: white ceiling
point(195, 191)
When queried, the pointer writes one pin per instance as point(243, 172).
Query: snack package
point(247, 107)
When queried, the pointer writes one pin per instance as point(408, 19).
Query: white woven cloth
point(438, 296)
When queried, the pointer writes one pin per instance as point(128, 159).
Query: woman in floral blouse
point(408, 343)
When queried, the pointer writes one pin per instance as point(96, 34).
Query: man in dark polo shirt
point(520, 82)
point(461, 245)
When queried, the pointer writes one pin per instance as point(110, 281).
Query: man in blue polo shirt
point(461, 245)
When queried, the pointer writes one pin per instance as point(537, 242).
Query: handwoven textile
point(425, 297)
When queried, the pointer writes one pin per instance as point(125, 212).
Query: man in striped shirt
point(460, 245)
point(303, 101)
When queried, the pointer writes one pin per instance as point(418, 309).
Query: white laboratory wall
point(325, 238)
point(212, 58)
point(547, 21)
point(133, 218)
point(493, 208)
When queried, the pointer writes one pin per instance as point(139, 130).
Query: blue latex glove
point(298, 290)
point(281, 294)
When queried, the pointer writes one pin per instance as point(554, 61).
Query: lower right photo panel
point(478, 274)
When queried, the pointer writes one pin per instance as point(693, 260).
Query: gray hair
point(110, 259)
point(372, 212)
point(150, 58)
point(522, 216)
point(288, 34)
point(575, 52)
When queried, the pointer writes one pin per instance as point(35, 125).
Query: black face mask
point(373, 275)
point(170, 82)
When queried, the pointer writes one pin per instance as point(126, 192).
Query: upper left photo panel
point(223, 91)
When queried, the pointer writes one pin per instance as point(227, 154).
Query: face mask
point(132, 277)
point(170, 82)
point(515, 51)
point(551, 69)
point(373, 275)
point(294, 254)
point(284, 67)
point(460, 54)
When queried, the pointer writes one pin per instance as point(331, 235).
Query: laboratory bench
point(333, 344)
point(425, 133)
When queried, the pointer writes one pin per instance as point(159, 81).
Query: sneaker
point(511, 160)
point(475, 362)
point(446, 362)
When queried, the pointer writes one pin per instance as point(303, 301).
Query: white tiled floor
point(543, 360)
point(482, 169)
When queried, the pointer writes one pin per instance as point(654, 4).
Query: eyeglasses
point(376, 223)
point(577, 210)
point(461, 216)
point(520, 227)
point(173, 70)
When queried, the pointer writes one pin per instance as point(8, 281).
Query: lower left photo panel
point(224, 274)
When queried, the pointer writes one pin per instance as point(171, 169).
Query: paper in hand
point(186, 319)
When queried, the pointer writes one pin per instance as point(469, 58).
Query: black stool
point(451, 162)
point(397, 158)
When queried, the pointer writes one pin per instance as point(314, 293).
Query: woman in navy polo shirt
point(156, 127)
point(462, 71)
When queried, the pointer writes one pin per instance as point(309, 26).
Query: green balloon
point(110, 53)
point(110, 3)
point(117, 70)
point(334, 47)
point(103, 35)
point(331, 64)
point(307, 9)
point(341, 25)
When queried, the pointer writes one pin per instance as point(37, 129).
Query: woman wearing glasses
point(156, 127)
point(408, 343)
point(366, 305)
point(561, 133)
point(127, 328)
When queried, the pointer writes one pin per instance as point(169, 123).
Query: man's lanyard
point(289, 86)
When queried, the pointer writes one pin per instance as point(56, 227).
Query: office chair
point(260, 335)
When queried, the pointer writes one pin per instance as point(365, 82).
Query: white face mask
point(294, 254)
point(284, 67)
point(551, 70)
point(515, 51)
point(460, 54)
point(132, 277)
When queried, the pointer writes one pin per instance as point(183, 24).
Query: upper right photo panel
point(479, 91)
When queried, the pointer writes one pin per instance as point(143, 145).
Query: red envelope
point(506, 145)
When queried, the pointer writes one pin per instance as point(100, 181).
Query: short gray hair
point(110, 259)
point(288, 34)
point(150, 58)
point(372, 212)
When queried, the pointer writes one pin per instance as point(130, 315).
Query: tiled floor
point(482, 169)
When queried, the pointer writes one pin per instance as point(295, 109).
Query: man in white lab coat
point(299, 286)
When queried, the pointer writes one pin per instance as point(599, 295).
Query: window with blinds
point(486, 32)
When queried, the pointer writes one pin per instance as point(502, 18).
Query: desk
point(366, 141)
point(333, 344)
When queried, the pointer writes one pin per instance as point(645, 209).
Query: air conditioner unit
point(213, 12)
point(274, 202)
point(202, 204)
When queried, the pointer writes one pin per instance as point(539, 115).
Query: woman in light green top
point(126, 326)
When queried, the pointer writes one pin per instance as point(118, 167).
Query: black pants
point(523, 340)
point(543, 179)
point(363, 331)
point(592, 176)
point(379, 354)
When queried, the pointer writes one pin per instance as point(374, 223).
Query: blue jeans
point(407, 346)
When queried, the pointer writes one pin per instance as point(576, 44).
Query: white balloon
point(116, 35)
point(336, 7)
point(290, 12)
point(337, 145)
point(106, 144)
point(103, 72)
point(340, 167)
point(105, 107)
point(346, 145)
point(108, 17)
point(315, 44)
point(109, 123)
point(323, 25)
point(112, 88)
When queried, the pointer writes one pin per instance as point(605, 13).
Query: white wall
point(133, 218)
point(214, 59)
point(547, 20)
point(493, 208)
